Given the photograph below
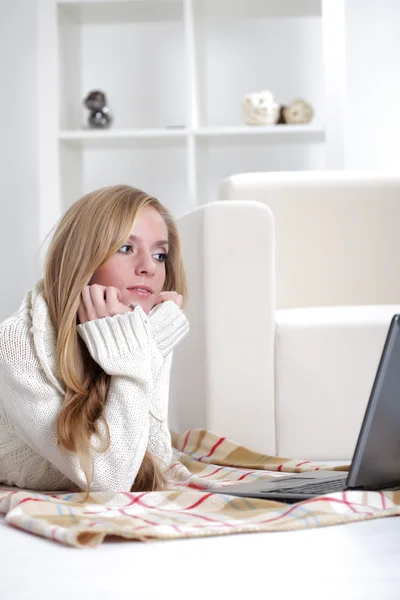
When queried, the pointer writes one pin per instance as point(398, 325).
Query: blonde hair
point(88, 235)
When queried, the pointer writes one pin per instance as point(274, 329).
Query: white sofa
point(283, 352)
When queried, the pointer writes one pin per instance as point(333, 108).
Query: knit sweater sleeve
point(169, 325)
point(159, 434)
point(162, 330)
point(121, 344)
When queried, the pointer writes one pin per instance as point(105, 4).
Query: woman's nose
point(145, 264)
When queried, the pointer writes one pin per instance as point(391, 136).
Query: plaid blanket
point(188, 508)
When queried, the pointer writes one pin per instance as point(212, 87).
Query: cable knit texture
point(135, 349)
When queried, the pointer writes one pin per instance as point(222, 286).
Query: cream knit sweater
point(135, 349)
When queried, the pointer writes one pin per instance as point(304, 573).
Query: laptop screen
point(376, 460)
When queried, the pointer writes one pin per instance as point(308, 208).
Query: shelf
point(119, 134)
point(175, 73)
point(100, 12)
point(122, 138)
point(305, 131)
point(127, 137)
point(106, 12)
point(262, 8)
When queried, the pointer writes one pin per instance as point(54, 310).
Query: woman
point(85, 361)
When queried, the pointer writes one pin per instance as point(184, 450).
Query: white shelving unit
point(175, 72)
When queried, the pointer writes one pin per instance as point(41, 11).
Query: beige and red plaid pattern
point(188, 508)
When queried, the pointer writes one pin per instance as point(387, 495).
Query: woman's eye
point(125, 249)
point(161, 257)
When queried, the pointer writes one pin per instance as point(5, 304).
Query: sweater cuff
point(169, 326)
point(113, 337)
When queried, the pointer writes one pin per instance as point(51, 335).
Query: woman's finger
point(113, 304)
point(97, 293)
point(172, 296)
point(87, 302)
point(82, 316)
point(159, 300)
point(168, 295)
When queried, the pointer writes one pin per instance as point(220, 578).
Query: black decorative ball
point(99, 115)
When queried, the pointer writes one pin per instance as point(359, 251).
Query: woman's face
point(138, 268)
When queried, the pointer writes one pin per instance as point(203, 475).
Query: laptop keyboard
point(316, 489)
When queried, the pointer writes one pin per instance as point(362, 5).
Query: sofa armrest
point(222, 377)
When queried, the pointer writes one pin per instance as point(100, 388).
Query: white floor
point(358, 561)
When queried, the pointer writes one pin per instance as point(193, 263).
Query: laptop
point(376, 459)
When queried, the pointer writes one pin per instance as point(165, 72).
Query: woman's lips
point(143, 292)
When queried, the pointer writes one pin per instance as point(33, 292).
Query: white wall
point(18, 164)
point(373, 84)
point(372, 123)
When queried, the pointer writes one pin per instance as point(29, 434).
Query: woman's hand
point(173, 296)
point(98, 301)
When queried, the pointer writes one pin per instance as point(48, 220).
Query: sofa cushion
point(336, 234)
